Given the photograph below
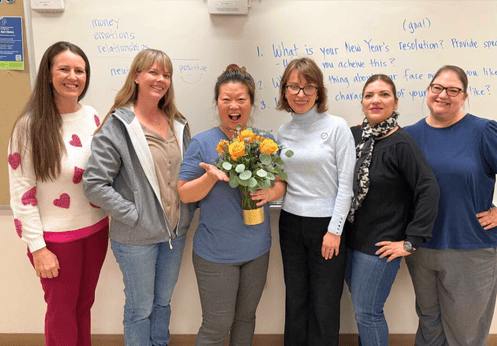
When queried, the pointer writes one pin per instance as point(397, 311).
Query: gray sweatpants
point(455, 295)
point(229, 295)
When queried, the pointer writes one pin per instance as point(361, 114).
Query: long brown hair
point(38, 126)
point(129, 92)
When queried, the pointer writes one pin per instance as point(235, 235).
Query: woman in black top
point(393, 210)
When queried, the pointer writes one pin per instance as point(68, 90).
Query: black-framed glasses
point(451, 91)
point(294, 89)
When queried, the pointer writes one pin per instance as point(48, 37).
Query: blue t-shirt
point(221, 236)
point(464, 159)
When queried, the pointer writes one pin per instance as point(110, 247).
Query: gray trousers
point(229, 295)
point(455, 295)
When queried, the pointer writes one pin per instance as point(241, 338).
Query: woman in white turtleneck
point(315, 207)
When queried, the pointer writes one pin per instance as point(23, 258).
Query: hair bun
point(235, 67)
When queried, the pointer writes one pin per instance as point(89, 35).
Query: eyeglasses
point(294, 89)
point(437, 89)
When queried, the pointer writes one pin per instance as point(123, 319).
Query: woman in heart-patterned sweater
point(66, 235)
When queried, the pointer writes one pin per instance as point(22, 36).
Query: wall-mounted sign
point(11, 44)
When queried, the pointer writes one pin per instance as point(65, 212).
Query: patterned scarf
point(364, 153)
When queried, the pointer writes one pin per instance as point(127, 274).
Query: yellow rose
point(222, 146)
point(236, 149)
point(268, 146)
point(246, 134)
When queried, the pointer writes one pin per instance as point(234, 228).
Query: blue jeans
point(370, 279)
point(149, 273)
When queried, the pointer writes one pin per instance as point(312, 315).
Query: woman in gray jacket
point(132, 174)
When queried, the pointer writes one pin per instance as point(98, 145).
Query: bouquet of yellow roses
point(251, 160)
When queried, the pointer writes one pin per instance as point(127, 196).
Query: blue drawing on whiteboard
point(191, 72)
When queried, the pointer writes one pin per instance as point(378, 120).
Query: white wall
point(22, 306)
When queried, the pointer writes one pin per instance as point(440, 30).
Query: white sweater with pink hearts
point(55, 210)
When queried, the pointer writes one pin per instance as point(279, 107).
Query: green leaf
point(271, 169)
point(270, 176)
point(240, 168)
point(252, 183)
point(261, 173)
point(245, 175)
point(234, 181)
point(265, 158)
point(283, 175)
point(244, 182)
point(278, 160)
point(265, 184)
point(288, 153)
point(227, 166)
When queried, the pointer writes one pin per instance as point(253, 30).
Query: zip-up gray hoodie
point(120, 178)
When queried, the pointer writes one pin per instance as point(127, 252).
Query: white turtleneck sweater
point(321, 170)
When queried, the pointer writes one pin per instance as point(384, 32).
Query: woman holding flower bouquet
point(230, 258)
point(314, 209)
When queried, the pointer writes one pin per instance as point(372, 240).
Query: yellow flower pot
point(253, 217)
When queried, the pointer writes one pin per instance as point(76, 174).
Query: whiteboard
point(350, 40)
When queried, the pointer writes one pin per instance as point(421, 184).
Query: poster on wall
point(11, 44)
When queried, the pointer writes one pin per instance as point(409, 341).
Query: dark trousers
point(313, 285)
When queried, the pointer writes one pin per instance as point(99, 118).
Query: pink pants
point(70, 295)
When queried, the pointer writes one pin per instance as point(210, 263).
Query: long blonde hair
point(129, 92)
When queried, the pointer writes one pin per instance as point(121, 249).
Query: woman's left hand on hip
point(488, 219)
point(391, 249)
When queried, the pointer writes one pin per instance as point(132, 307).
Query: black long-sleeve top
point(403, 196)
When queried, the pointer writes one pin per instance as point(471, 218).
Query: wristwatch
point(408, 246)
